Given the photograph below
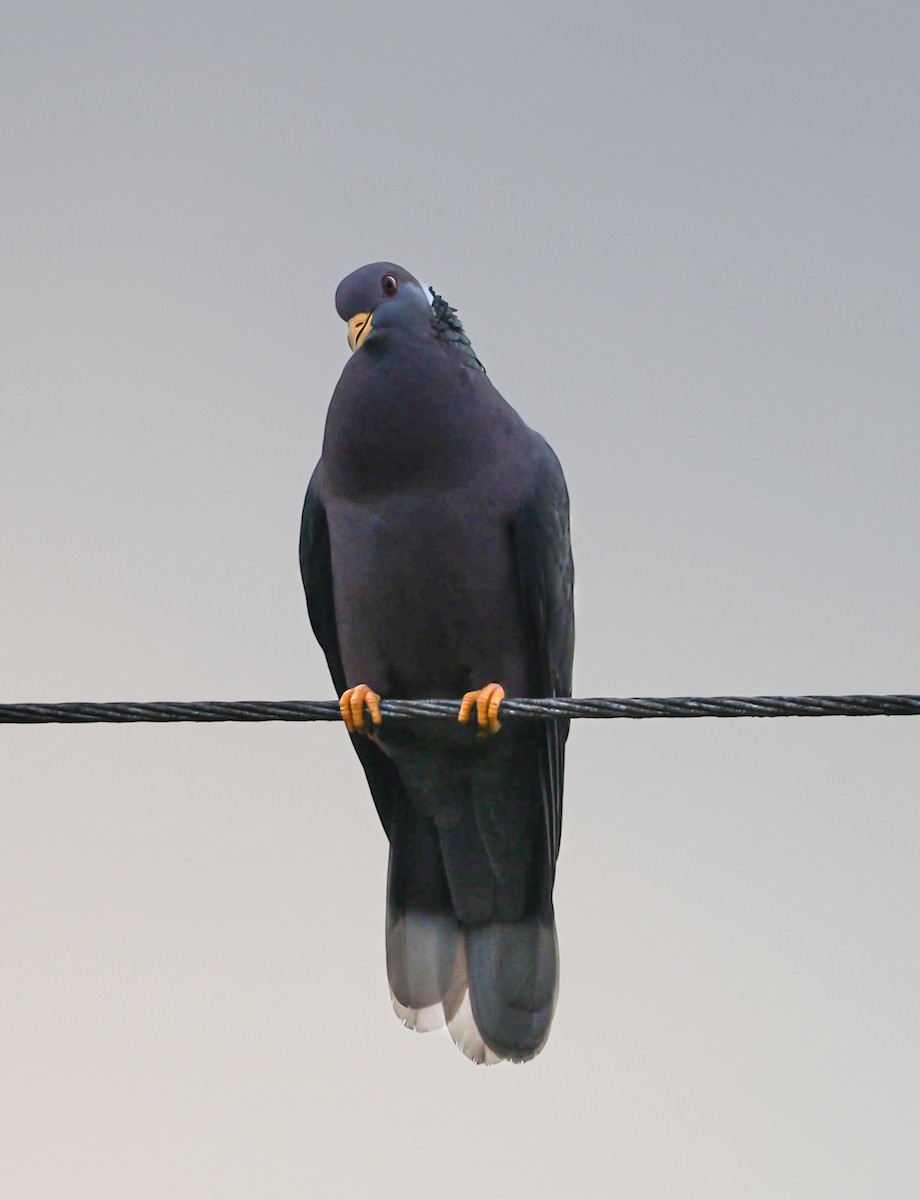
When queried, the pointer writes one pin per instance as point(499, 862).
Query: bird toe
point(352, 704)
point(487, 701)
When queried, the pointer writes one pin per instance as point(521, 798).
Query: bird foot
point(488, 701)
point(352, 704)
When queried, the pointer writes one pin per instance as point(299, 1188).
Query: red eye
point(390, 285)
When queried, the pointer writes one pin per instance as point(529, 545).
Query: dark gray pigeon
point(436, 562)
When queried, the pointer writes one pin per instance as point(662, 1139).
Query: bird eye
point(390, 285)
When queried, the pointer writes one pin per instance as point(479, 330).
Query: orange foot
point(487, 701)
point(351, 706)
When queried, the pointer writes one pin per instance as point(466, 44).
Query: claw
point(488, 701)
point(352, 704)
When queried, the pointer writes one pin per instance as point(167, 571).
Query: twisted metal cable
point(633, 708)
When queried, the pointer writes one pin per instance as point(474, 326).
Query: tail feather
point(422, 932)
point(420, 1020)
point(421, 955)
point(465, 1032)
point(512, 970)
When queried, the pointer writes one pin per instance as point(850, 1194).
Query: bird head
point(381, 297)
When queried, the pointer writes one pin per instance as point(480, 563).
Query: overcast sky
point(683, 238)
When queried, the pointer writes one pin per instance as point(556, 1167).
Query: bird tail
point(492, 982)
point(422, 932)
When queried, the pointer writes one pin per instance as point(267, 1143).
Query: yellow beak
point(359, 326)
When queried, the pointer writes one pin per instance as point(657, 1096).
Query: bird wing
point(543, 551)
point(316, 571)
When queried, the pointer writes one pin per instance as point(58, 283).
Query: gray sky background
point(684, 240)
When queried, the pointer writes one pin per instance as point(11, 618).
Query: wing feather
point(546, 576)
point(316, 570)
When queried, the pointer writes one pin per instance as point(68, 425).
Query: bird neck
point(417, 420)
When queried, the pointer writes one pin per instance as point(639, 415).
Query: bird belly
point(427, 598)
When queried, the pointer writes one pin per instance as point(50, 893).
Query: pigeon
point(437, 563)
